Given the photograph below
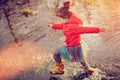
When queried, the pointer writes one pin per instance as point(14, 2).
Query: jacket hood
point(74, 20)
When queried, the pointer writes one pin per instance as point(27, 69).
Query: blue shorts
point(74, 53)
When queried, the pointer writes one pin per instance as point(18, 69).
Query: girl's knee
point(56, 53)
point(60, 51)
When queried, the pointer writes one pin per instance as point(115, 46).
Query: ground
point(31, 58)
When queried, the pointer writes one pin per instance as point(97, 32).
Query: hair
point(64, 11)
point(67, 4)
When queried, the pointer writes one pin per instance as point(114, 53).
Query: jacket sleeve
point(83, 30)
point(57, 26)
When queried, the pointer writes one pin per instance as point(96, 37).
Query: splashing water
point(21, 57)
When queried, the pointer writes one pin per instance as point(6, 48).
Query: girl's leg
point(87, 67)
point(59, 68)
point(57, 57)
point(83, 60)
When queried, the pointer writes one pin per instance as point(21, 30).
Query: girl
point(73, 50)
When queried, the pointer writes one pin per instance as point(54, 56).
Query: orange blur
point(15, 58)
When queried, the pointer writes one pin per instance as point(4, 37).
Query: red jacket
point(72, 30)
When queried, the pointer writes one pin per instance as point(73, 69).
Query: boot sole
point(57, 73)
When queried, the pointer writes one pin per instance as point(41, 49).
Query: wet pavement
point(104, 52)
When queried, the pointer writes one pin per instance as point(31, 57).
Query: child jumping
point(72, 30)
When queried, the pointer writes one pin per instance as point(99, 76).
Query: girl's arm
point(83, 30)
point(56, 26)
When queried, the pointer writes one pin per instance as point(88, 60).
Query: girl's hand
point(102, 29)
point(50, 25)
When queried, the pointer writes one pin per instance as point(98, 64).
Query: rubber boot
point(91, 70)
point(59, 68)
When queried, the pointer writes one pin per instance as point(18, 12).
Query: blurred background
point(27, 44)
